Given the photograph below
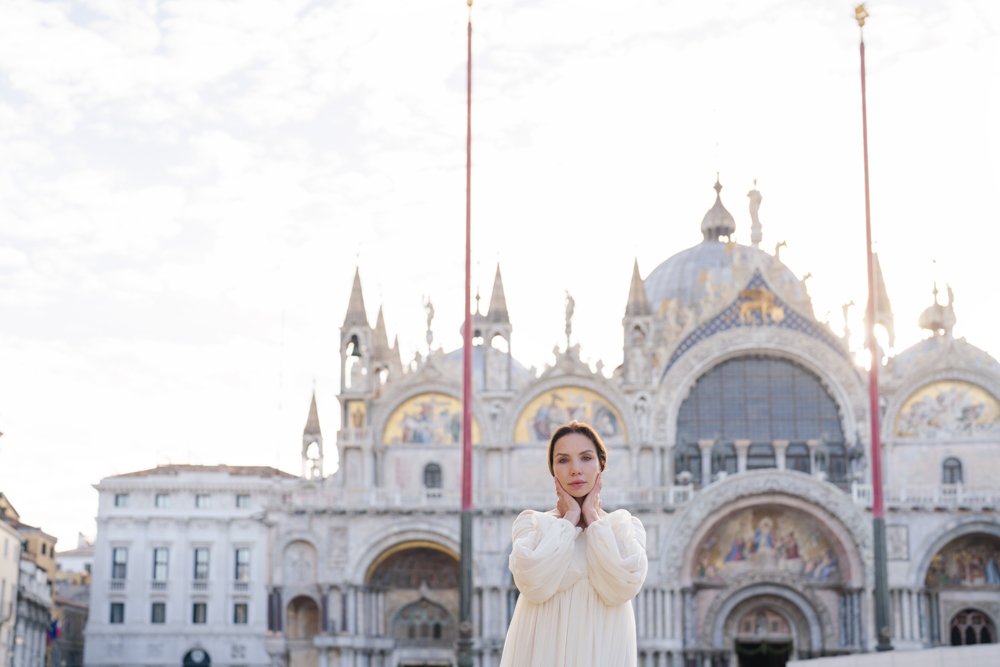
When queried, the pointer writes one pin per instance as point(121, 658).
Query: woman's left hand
point(591, 508)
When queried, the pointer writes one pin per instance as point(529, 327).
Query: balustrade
point(930, 496)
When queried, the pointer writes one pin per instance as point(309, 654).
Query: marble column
point(780, 449)
point(706, 461)
point(742, 447)
point(813, 445)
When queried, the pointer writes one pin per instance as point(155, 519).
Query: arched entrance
point(960, 577)
point(415, 585)
point(763, 638)
point(303, 621)
point(197, 657)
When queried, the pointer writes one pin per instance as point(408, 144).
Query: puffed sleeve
point(543, 548)
point(616, 556)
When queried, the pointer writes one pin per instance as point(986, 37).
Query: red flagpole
point(883, 619)
point(465, 570)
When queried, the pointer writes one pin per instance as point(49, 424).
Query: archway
point(763, 638)
point(303, 618)
point(197, 657)
point(302, 626)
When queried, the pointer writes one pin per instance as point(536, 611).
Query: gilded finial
point(469, 2)
point(860, 13)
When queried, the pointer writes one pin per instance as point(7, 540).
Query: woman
point(577, 567)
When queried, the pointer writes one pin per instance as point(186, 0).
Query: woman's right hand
point(567, 506)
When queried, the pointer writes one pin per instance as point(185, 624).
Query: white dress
point(575, 607)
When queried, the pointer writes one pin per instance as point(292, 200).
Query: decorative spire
point(883, 314)
point(718, 221)
point(498, 302)
point(381, 338)
point(356, 313)
point(755, 228)
point(312, 422)
point(637, 304)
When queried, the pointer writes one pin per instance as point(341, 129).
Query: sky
point(187, 187)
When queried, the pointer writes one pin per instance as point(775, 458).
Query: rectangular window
point(160, 556)
point(159, 614)
point(43, 548)
point(121, 500)
point(240, 613)
point(162, 500)
point(199, 613)
point(3, 593)
point(117, 612)
point(203, 501)
point(119, 560)
point(6, 546)
point(242, 565)
point(242, 501)
point(201, 563)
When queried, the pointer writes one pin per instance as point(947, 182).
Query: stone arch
point(954, 529)
point(381, 543)
point(302, 618)
point(384, 407)
point(415, 565)
point(821, 501)
point(812, 629)
point(602, 388)
point(835, 373)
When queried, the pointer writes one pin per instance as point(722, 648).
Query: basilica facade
point(738, 431)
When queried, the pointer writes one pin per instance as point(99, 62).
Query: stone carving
point(300, 563)
point(897, 542)
point(338, 545)
point(635, 368)
point(570, 307)
point(642, 418)
point(496, 369)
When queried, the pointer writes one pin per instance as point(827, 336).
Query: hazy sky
point(187, 186)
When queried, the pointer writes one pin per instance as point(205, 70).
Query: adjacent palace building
point(738, 429)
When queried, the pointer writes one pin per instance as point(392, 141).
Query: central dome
point(683, 277)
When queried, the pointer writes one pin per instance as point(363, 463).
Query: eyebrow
point(586, 451)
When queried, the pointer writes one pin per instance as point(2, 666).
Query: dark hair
point(584, 430)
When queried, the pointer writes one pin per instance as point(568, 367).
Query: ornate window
point(951, 471)
point(723, 459)
point(797, 458)
point(763, 399)
point(688, 460)
point(432, 476)
point(972, 627)
point(424, 623)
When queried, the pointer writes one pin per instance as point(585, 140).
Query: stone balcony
point(354, 436)
point(931, 496)
point(483, 499)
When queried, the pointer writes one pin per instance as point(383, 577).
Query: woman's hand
point(592, 503)
point(567, 506)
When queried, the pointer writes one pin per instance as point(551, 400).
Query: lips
point(577, 485)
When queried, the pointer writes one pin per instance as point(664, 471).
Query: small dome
point(519, 374)
point(718, 221)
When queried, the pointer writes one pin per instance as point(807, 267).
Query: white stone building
point(181, 566)
point(738, 430)
point(10, 558)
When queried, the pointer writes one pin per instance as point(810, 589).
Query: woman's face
point(574, 460)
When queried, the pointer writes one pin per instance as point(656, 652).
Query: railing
point(116, 585)
point(932, 496)
point(199, 586)
point(667, 496)
point(353, 436)
point(158, 586)
point(241, 587)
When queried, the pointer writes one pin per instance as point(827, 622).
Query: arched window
point(432, 476)
point(423, 623)
point(972, 627)
point(951, 471)
point(688, 460)
point(763, 399)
